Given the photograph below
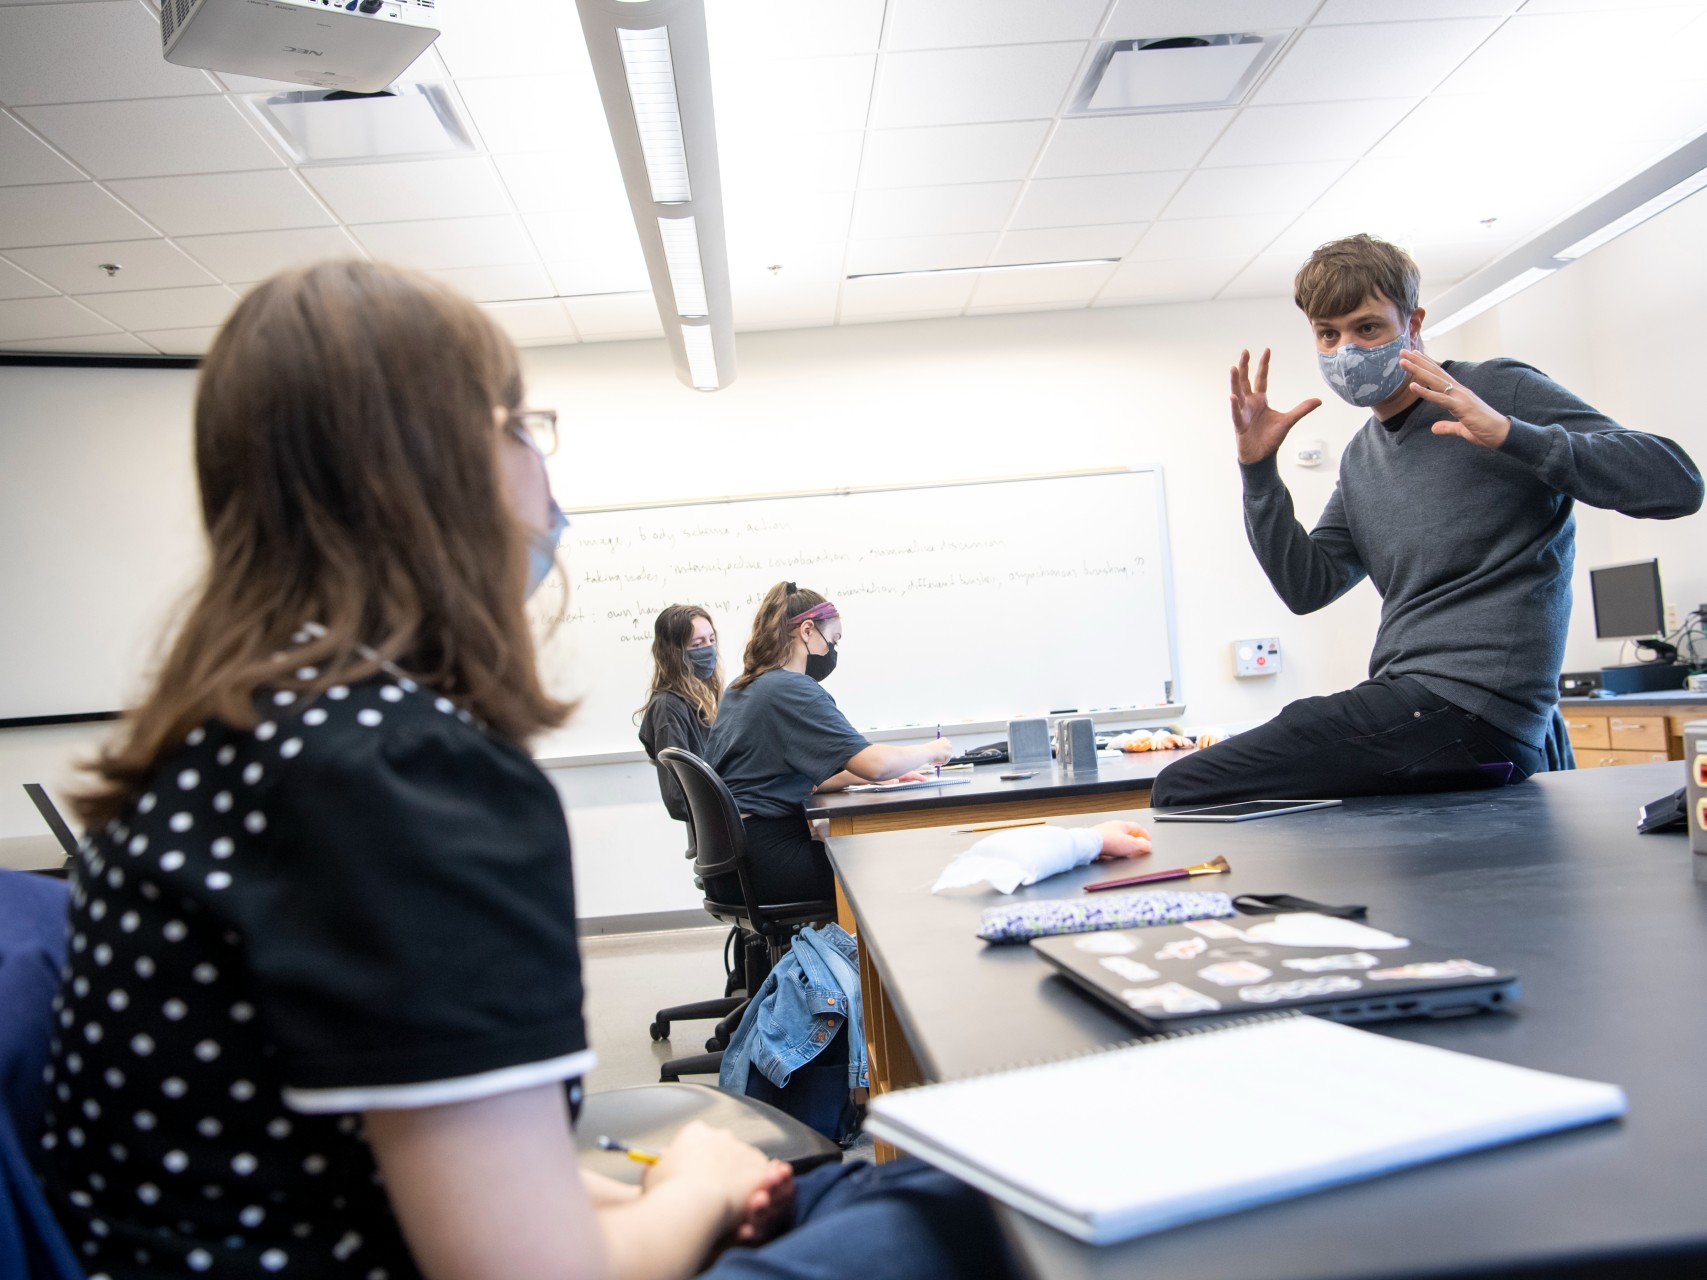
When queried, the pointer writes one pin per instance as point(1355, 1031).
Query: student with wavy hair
point(687, 685)
point(322, 1014)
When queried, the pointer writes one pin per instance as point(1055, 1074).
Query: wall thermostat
point(1256, 657)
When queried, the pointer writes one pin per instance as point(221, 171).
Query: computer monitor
point(1627, 600)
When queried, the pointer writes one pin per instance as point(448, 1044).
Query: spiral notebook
point(1157, 1133)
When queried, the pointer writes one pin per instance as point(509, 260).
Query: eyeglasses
point(536, 428)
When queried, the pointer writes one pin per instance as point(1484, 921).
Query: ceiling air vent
point(1176, 73)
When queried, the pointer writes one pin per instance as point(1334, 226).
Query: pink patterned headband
point(817, 613)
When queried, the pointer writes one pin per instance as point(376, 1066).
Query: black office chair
point(720, 861)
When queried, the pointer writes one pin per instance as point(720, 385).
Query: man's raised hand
point(1257, 427)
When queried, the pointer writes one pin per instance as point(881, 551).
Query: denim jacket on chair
point(810, 994)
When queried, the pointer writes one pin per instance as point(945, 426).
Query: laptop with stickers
point(1168, 975)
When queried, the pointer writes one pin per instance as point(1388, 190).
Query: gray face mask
point(1364, 376)
point(703, 660)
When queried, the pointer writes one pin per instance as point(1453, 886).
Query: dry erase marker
point(633, 1153)
point(939, 739)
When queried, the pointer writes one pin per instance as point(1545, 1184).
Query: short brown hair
point(1342, 273)
point(347, 456)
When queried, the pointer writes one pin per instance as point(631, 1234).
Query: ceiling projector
point(358, 45)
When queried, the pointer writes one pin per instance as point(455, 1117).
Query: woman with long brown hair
point(322, 1012)
point(779, 737)
point(681, 705)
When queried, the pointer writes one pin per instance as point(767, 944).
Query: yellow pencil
point(997, 826)
point(633, 1153)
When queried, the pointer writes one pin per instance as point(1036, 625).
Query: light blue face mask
point(1364, 376)
point(542, 549)
point(703, 660)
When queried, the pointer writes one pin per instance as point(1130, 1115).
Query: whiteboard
point(966, 603)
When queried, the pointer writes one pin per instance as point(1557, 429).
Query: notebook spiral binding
point(1179, 1033)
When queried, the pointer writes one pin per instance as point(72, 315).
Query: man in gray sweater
point(1455, 499)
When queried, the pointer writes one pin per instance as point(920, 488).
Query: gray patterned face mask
point(1364, 376)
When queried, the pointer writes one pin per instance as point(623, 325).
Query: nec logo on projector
point(291, 48)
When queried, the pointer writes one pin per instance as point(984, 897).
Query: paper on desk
point(907, 786)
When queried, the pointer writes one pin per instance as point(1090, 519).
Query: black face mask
point(819, 665)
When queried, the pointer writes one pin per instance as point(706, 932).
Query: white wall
point(1623, 328)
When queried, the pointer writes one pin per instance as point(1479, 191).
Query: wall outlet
point(1671, 617)
point(1259, 657)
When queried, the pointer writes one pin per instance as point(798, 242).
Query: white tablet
point(1243, 811)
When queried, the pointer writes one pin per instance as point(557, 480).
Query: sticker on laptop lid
point(1234, 973)
point(1131, 970)
point(1169, 997)
point(1432, 970)
point(1218, 930)
point(1183, 949)
point(1307, 929)
point(1107, 944)
point(1300, 989)
point(1327, 964)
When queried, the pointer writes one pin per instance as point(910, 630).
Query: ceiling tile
point(1343, 12)
point(762, 322)
point(102, 344)
point(1209, 237)
point(951, 154)
point(1270, 276)
point(145, 264)
point(181, 342)
point(615, 316)
point(808, 283)
point(947, 24)
point(215, 203)
point(1195, 280)
point(1009, 308)
point(1559, 54)
point(1385, 214)
point(17, 283)
point(920, 253)
point(783, 222)
point(254, 255)
point(794, 95)
point(466, 187)
point(749, 29)
point(25, 158)
point(1092, 201)
point(538, 113)
point(508, 283)
point(1045, 284)
point(532, 37)
point(540, 320)
point(64, 213)
point(1379, 60)
point(88, 53)
point(165, 308)
point(1133, 19)
point(979, 206)
point(902, 317)
point(1061, 244)
point(448, 242)
point(898, 295)
point(23, 318)
point(774, 161)
point(1269, 188)
point(1302, 132)
point(154, 136)
point(556, 182)
point(599, 270)
point(1131, 144)
point(966, 86)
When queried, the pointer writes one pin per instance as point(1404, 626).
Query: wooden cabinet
point(1603, 733)
point(1603, 759)
point(1587, 733)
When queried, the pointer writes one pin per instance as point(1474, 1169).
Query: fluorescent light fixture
point(652, 92)
point(1175, 73)
point(1658, 187)
point(653, 68)
point(1640, 214)
point(702, 357)
point(687, 277)
point(1511, 288)
point(1003, 266)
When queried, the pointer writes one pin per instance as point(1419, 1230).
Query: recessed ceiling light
point(331, 126)
point(1004, 266)
point(1175, 73)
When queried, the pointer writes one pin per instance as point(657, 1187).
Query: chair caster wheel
point(713, 1045)
point(660, 1031)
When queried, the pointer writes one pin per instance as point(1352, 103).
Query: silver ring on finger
point(1446, 388)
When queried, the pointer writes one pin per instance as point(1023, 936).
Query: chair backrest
point(32, 949)
point(720, 852)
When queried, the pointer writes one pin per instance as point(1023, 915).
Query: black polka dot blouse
point(364, 903)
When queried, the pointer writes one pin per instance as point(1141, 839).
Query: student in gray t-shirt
point(1456, 500)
